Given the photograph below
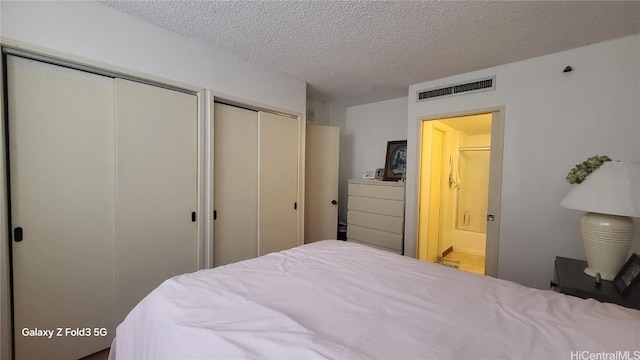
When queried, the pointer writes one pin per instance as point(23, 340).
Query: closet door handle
point(334, 202)
point(17, 234)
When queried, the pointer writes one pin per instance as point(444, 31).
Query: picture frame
point(369, 174)
point(395, 165)
point(628, 276)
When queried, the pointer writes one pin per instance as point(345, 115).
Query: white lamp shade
point(614, 189)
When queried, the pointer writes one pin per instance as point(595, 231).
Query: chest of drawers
point(375, 214)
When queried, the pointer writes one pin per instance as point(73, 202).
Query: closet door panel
point(278, 178)
point(235, 184)
point(62, 176)
point(156, 179)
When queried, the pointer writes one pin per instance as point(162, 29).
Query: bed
point(339, 300)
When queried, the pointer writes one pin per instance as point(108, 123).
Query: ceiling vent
point(484, 84)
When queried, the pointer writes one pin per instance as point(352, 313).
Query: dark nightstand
point(570, 279)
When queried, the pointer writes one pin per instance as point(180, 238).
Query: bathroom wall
point(472, 242)
point(447, 193)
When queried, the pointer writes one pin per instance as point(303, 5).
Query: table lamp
point(611, 196)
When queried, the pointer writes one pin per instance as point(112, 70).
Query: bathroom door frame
point(495, 179)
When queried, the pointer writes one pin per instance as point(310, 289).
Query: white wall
point(98, 32)
point(321, 112)
point(338, 115)
point(553, 121)
point(368, 128)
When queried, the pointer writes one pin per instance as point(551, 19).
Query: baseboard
point(447, 251)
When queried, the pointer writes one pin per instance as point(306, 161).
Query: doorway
point(459, 190)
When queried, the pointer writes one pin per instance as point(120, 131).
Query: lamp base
point(591, 272)
point(607, 241)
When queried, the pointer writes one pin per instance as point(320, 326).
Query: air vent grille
point(485, 84)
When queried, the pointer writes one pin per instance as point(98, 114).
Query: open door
point(448, 221)
point(321, 191)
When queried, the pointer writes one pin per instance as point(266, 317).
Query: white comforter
point(339, 300)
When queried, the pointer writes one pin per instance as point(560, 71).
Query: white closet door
point(156, 162)
point(62, 174)
point(278, 178)
point(321, 183)
point(235, 184)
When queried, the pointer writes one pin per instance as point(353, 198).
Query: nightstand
point(570, 279)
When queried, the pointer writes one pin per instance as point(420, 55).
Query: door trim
point(6, 316)
point(53, 57)
point(495, 193)
point(495, 180)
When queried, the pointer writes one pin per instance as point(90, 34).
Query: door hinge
point(193, 216)
point(295, 206)
point(215, 214)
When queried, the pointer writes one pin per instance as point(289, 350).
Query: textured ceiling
point(364, 51)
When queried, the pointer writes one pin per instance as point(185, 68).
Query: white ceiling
point(358, 52)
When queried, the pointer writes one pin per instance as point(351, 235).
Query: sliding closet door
point(235, 184)
point(62, 178)
point(156, 179)
point(278, 176)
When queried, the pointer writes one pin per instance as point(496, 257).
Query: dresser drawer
point(376, 206)
point(375, 221)
point(375, 237)
point(377, 191)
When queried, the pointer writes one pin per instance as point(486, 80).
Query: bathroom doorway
point(459, 190)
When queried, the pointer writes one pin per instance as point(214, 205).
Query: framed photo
point(396, 161)
point(628, 276)
point(369, 174)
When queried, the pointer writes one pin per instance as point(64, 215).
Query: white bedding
point(339, 300)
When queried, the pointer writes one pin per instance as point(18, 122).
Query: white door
point(278, 181)
point(62, 178)
point(157, 169)
point(235, 181)
point(322, 152)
